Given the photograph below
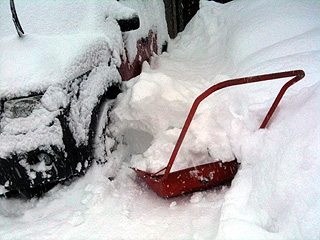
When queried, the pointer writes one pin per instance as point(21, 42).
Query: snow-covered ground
point(275, 194)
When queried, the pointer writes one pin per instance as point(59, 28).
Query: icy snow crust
point(276, 192)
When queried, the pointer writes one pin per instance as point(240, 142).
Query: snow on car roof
point(47, 17)
point(36, 62)
point(57, 32)
point(63, 39)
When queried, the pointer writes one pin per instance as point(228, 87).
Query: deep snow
point(64, 39)
point(275, 194)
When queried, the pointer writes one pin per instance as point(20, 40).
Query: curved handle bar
point(297, 74)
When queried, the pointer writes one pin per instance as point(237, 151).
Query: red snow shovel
point(172, 184)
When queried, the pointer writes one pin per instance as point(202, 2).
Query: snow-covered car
point(57, 79)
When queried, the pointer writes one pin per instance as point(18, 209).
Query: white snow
point(276, 192)
point(64, 39)
point(53, 49)
point(21, 135)
point(81, 108)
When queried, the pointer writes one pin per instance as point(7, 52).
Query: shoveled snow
point(276, 192)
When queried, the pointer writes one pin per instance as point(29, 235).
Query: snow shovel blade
point(190, 179)
point(172, 184)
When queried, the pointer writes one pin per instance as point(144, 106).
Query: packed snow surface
point(276, 192)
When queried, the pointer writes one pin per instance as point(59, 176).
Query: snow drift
point(276, 192)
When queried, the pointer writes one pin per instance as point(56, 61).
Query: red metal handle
point(297, 74)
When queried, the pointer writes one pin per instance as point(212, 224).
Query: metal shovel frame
point(196, 178)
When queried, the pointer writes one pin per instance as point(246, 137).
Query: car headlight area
point(21, 107)
point(31, 154)
point(32, 150)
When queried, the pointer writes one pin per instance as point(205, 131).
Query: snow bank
point(276, 192)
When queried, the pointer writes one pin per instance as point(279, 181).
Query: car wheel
point(101, 141)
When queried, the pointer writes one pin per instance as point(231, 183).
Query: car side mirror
point(129, 24)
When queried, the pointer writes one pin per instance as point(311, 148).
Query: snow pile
point(276, 192)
